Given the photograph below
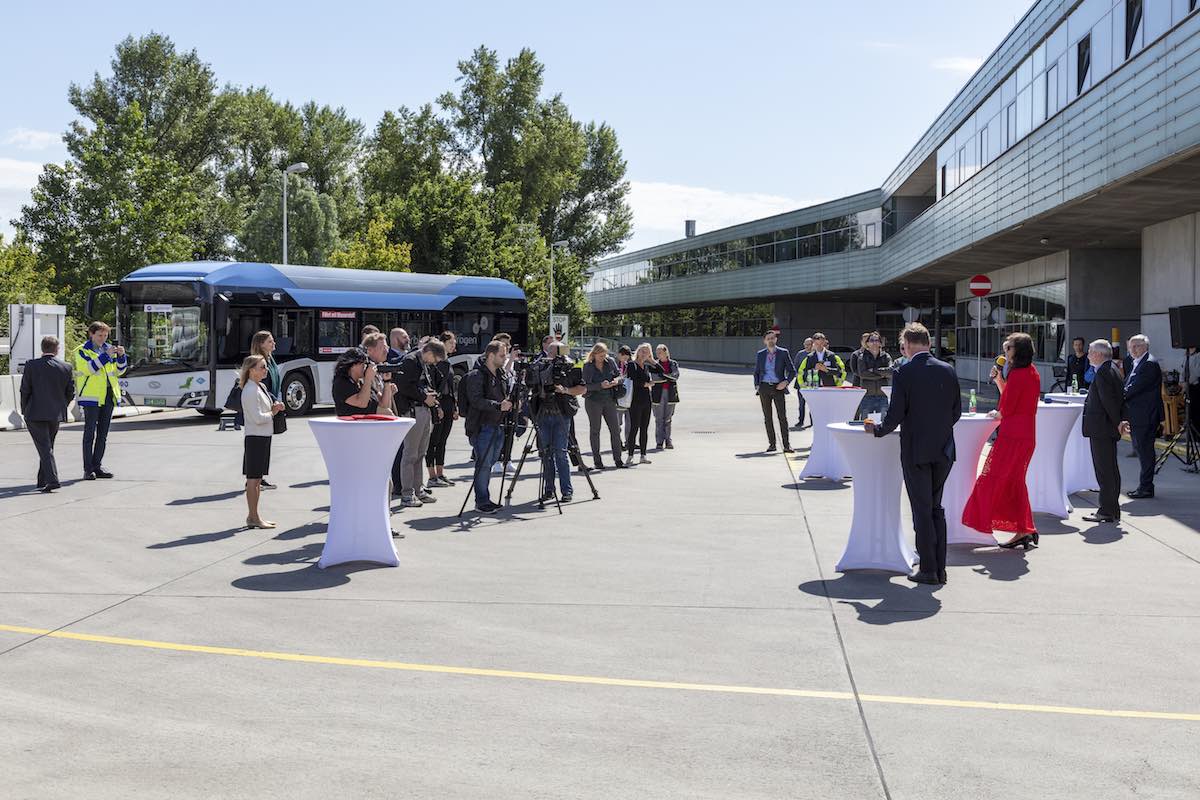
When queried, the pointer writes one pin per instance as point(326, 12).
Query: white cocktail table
point(1044, 480)
point(358, 456)
point(1078, 473)
point(829, 405)
point(971, 433)
point(877, 539)
point(887, 390)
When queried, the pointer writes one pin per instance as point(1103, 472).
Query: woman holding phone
point(641, 370)
point(602, 377)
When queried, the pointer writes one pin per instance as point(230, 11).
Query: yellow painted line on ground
point(550, 677)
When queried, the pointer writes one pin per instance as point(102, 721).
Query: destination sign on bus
point(337, 315)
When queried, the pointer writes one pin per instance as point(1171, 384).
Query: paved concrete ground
point(706, 572)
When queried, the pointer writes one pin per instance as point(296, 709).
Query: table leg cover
point(971, 433)
point(358, 456)
point(828, 406)
point(878, 539)
point(1078, 473)
point(1044, 480)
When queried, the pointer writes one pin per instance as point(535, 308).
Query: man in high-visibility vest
point(97, 367)
point(828, 367)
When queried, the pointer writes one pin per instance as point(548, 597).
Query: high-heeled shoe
point(261, 524)
point(1025, 541)
point(1035, 538)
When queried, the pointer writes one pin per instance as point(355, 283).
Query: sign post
point(981, 286)
point(559, 325)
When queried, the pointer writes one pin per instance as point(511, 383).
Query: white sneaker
point(497, 468)
point(644, 460)
point(411, 502)
point(427, 497)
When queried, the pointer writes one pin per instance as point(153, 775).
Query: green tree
point(445, 219)
point(264, 133)
point(373, 250)
point(114, 206)
point(406, 147)
point(22, 280)
point(331, 144)
point(312, 224)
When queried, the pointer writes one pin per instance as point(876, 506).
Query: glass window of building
point(1133, 27)
point(1083, 60)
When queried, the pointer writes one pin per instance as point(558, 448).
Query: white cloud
point(659, 210)
point(964, 65)
point(27, 139)
point(16, 179)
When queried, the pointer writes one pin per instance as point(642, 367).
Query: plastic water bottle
point(1074, 384)
point(971, 404)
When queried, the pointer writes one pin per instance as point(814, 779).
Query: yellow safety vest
point(95, 374)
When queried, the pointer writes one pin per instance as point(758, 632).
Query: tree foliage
point(373, 249)
point(312, 224)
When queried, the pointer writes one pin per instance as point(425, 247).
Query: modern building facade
point(1067, 170)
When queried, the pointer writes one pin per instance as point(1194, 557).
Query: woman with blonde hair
point(603, 380)
point(259, 409)
point(664, 396)
point(263, 344)
point(641, 371)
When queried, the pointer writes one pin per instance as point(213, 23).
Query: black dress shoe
point(89, 476)
point(787, 448)
point(263, 483)
point(771, 448)
point(598, 464)
point(1098, 518)
point(622, 465)
point(49, 487)
point(924, 577)
point(941, 576)
point(1138, 494)
point(103, 473)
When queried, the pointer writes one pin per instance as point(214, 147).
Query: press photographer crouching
point(554, 385)
point(486, 388)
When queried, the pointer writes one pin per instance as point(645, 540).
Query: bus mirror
point(90, 304)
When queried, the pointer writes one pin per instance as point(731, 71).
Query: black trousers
point(43, 435)
point(639, 426)
point(1143, 445)
point(924, 483)
point(396, 482)
point(1108, 474)
point(435, 456)
point(803, 408)
point(769, 396)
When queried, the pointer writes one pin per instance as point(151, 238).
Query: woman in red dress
point(1000, 501)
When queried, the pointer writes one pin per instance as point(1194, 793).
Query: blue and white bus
point(187, 326)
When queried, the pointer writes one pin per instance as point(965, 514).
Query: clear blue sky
point(726, 111)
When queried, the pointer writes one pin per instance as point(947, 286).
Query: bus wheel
point(297, 394)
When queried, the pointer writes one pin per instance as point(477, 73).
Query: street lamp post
point(297, 167)
point(554, 246)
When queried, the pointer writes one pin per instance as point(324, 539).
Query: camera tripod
point(1191, 448)
point(573, 457)
point(508, 425)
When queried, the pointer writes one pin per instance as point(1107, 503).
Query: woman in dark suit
point(1000, 500)
point(641, 370)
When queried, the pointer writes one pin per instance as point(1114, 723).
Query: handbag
point(279, 423)
point(234, 401)
point(625, 398)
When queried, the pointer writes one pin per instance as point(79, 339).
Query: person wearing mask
point(98, 366)
point(800, 423)
point(553, 418)
point(47, 389)
point(447, 412)
point(773, 370)
point(1000, 499)
point(1078, 364)
point(263, 344)
point(397, 345)
point(258, 409)
point(1143, 410)
point(826, 364)
point(641, 370)
point(926, 404)
point(486, 387)
point(1102, 427)
point(872, 371)
point(417, 397)
point(602, 380)
point(664, 396)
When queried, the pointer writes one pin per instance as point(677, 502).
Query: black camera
point(387, 368)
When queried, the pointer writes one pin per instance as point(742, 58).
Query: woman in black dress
point(641, 371)
point(446, 385)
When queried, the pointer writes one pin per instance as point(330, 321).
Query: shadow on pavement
point(992, 562)
point(817, 485)
point(309, 484)
point(197, 538)
point(897, 602)
point(207, 498)
point(302, 531)
point(757, 454)
point(1103, 533)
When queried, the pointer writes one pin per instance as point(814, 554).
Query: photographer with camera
point(416, 396)
point(486, 388)
point(354, 380)
point(554, 404)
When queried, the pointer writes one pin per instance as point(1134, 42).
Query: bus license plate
point(155, 401)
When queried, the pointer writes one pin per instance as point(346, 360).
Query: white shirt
point(256, 408)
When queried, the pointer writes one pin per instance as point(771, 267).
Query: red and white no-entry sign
point(981, 285)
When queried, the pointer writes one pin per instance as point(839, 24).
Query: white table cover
point(828, 405)
point(888, 391)
point(1078, 473)
point(358, 456)
point(877, 538)
point(971, 433)
point(1047, 492)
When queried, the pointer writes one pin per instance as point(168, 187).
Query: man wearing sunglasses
point(872, 370)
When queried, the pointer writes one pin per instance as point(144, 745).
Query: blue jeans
point(96, 420)
point(871, 405)
point(487, 450)
point(553, 430)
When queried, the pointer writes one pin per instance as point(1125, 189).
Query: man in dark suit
point(1143, 410)
point(1101, 426)
point(773, 370)
point(47, 388)
point(926, 402)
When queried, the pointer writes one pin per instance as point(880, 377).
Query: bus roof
point(329, 286)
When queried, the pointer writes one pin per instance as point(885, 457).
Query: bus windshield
point(163, 324)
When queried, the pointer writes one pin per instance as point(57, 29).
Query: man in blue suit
point(926, 402)
point(773, 370)
point(1143, 411)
